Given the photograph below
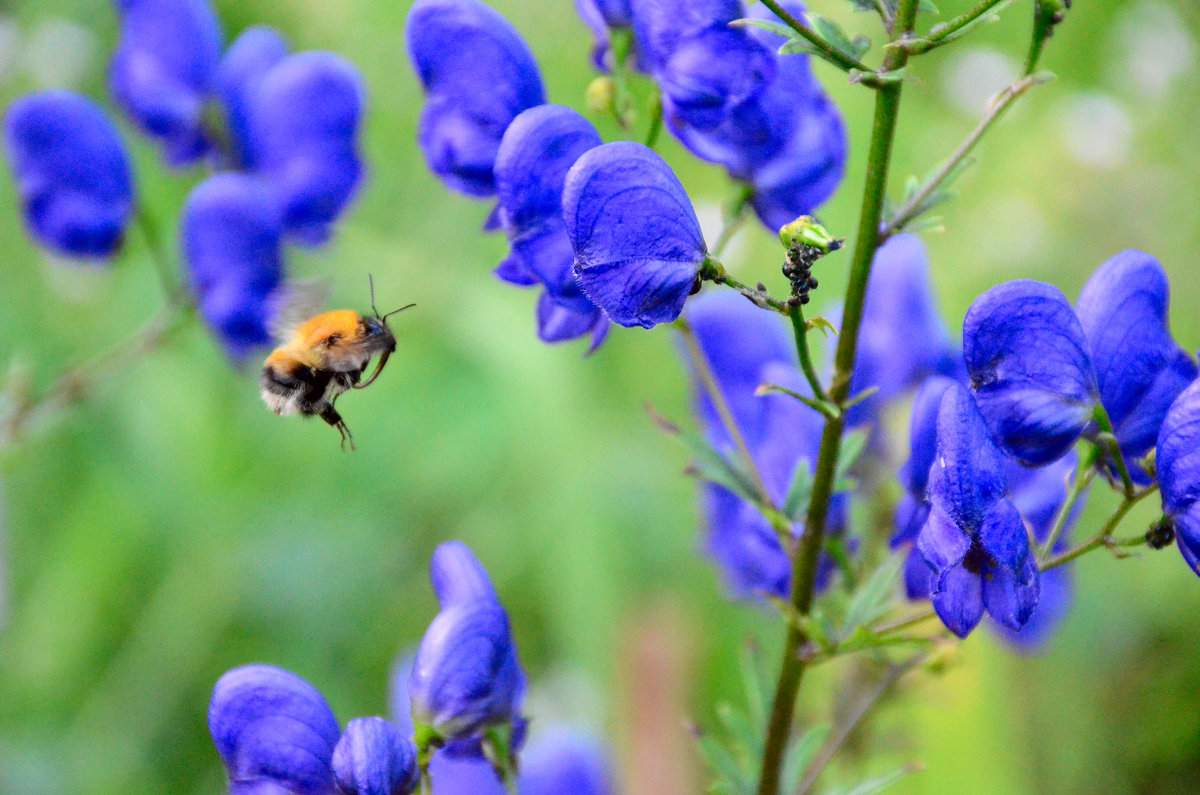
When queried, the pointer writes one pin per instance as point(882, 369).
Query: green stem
point(804, 563)
point(800, 331)
point(1083, 478)
point(656, 120)
point(715, 272)
point(941, 33)
point(1108, 438)
point(1000, 103)
point(158, 255)
point(1105, 537)
point(840, 59)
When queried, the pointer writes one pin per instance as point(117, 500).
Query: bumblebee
point(324, 358)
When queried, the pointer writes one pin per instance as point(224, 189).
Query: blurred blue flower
point(974, 539)
point(1177, 460)
point(777, 131)
point(466, 676)
point(602, 16)
point(163, 71)
point(304, 122)
point(72, 173)
point(537, 150)
point(1027, 357)
point(638, 245)
point(478, 74)
point(1140, 369)
point(900, 296)
point(746, 347)
point(373, 757)
point(563, 761)
point(273, 731)
point(239, 75)
point(230, 232)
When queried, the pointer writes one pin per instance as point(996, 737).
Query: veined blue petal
point(270, 725)
point(942, 543)
point(1177, 461)
point(914, 474)
point(1027, 358)
point(1054, 600)
point(478, 75)
point(304, 128)
point(638, 245)
point(71, 171)
point(711, 72)
point(239, 77)
point(559, 321)
point(374, 758)
point(918, 579)
point(968, 474)
point(1003, 537)
point(163, 70)
point(564, 761)
point(958, 599)
point(230, 231)
point(1011, 596)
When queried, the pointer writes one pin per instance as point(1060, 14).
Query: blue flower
point(240, 74)
point(537, 150)
point(303, 122)
point(273, 731)
point(777, 131)
point(974, 539)
point(478, 74)
point(1027, 357)
point(230, 231)
point(899, 296)
point(163, 71)
point(466, 676)
point(602, 16)
point(72, 173)
point(1140, 369)
point(638, 245)
point(1177, 459)
point(746, 347)
point(374, 758)
point(564, 761)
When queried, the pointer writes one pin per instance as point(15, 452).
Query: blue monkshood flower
point(1139, 367)
point(1177, 460)
point(746, 347)
point(273, 731)
point(304, 121)
point(660, 25)
point(230, 232)
point(563, 761)
point(974, 539)
point(163, 70)
point(638, 246)
point(602, 16)
point(373, 757)
point(72, 173)
point(240, 74)
point(466, 676)
point(900, 296)
point(478, 74)
point(785, 141)
point(1027, 358)
point(537, 150)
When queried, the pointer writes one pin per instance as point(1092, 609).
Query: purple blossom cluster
point(280, 129)
point(276, 734)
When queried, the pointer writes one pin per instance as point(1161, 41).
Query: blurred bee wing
point(298, 301)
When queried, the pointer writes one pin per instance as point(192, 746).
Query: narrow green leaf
point(753, 681)
point(744, 737)
point(796, 504)
point(800, 755)
point(991, 16)
point(874, 597)
point(798, 46)
point(832, 33)
point(722, 763)
point(708, 463)
point(927, 7)
point(878, 784)
point(853, 445)
point(766, 24)
point(821, 324)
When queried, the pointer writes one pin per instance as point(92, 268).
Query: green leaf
point(708, 463)
point(833, 34)
point(744, 737)
point(927, 7)
point(796, 503)
point(798, 46)
point(874, 597)
point(754, 680)
point(800, 755)
point(877, 784)
point(766, 24)
point(853, 445)
point(723, 764)
point(821, 324)
point(991, 16)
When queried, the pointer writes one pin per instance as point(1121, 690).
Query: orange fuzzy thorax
point(346, 323)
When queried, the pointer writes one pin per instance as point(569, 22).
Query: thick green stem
point(804, 561)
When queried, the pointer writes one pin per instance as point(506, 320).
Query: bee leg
point(330, 415)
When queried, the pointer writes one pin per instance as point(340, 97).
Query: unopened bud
point(601, 95)
point(805, 231)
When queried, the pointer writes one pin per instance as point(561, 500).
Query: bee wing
point(299, 300)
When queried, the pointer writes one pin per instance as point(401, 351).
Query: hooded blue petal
point(230, 231)
point(1140, 369)
point(71, 171)
point(559, 321)
point(163, 71)
point(240, 74)
point(478, 75)
point(958, 599)
point(1178, 467)
point(1011, 595)
point(1053, 602)
point(708, 74)
point(564, 762)
point(272, 727)
point(374, 758)
point(968, 474)
point(466, 675)
point(304, 127)
point(900, 296)
point(1027, 357)
point(914, 474)
point(638, 245)
point(1002, 536)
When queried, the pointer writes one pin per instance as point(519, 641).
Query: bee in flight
point(325, 357)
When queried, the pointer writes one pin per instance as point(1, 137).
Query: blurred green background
point(170, 528)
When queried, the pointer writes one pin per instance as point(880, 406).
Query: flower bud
point(374, 758)
point(601, 95)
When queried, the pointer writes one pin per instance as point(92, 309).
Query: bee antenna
point(394, 311)
point(371, 281)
